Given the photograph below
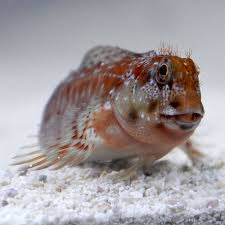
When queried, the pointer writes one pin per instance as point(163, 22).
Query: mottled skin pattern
point(120, 104)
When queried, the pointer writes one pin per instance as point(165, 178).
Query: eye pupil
point(163, 70)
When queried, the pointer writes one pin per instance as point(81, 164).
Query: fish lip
point(176, 116)
point(172, 121)
point(187, 125)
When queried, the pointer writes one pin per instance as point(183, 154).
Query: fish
point(119, 104)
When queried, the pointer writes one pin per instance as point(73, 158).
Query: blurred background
point(41, 41)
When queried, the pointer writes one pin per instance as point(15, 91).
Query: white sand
point(171, 193)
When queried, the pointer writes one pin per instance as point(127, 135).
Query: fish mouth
point(183, 121)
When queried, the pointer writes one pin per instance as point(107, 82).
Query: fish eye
point(163, 75)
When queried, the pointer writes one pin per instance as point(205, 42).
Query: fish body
point(120, 104)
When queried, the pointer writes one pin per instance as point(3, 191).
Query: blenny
point(120, 104)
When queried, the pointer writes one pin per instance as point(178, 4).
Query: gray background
point(41, 41)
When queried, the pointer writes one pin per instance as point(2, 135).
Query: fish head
point(161, 94)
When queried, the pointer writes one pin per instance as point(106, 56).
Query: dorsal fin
point(104, 54)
